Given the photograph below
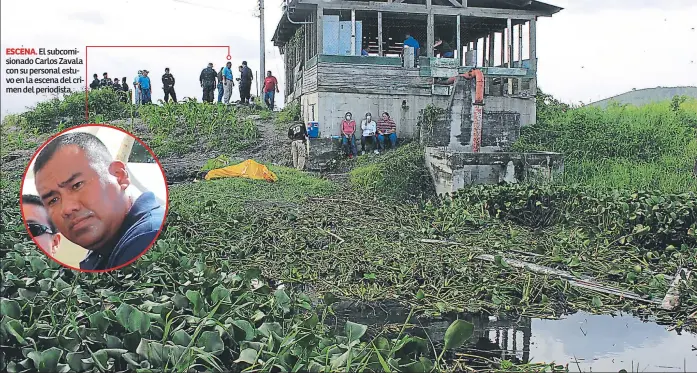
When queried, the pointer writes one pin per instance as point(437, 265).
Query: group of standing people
point(371, 132)
point(119, 86)
point(224, 81)
point(143, 87)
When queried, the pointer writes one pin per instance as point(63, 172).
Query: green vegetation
point(207, 296)
point(183, 306)
point(177, 129)
point(169, 129)
point(290, 113)
point(398, 174)
point(648, 147)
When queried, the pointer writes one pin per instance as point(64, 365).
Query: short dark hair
point(166, 68)
point(244, 63)
point(31, 199)
point(94, 149)
point(105, 74)
point(95, 75)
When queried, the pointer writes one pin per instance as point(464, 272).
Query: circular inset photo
point(94, 198)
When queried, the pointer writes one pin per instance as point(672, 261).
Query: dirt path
point(272, 147)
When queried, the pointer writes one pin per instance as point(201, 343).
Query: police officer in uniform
point(299, 147)
point(208, 82)
point(168, 86)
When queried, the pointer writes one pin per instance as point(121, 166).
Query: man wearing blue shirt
point(145, 88)
point(411, 42)
point(228, 82)
point(84, 192)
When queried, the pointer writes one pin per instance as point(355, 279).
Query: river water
point(586, 342)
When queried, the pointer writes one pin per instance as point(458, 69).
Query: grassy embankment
point(652, 147)
point(361, 240)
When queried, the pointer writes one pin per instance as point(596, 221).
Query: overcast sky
point(591, 50)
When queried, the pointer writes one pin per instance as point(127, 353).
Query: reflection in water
point(591, 343)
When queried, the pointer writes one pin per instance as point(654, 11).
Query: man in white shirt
point(369, 127)
point(136, 88)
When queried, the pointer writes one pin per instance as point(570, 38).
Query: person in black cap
point(106, 82)
point(95, 82)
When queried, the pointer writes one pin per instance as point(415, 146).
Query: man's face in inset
point(40, 227)
point(85, 200)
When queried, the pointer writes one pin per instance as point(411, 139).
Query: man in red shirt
point(270, 89)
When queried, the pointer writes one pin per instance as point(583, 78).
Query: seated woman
point(387, 128)
point(348, 135)
point(369, 126)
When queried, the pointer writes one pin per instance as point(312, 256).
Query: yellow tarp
point(248, 169)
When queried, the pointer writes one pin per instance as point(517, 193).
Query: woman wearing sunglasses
point(40, 225)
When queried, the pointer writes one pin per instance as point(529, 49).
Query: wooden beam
point(492, 60)
point(503, 57)
point(510, 53)
point(320, 30)
point(464, 3)
point(459, 41)
point(353, 32)
point(492, 49)
point(533, 56)
point(430, 25)
point(455, 3)
point(380, 33)
point(484, 51)
point(398, 7)
point(520, 55)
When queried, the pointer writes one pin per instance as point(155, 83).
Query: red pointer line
point(87, 77)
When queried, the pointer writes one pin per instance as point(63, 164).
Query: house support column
point(510, 54)
point(380, 53)
point(533, 56)
point(320, 30)
point(353, 33)
point(520, 56)
point(430, 37)
point(459, 41)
